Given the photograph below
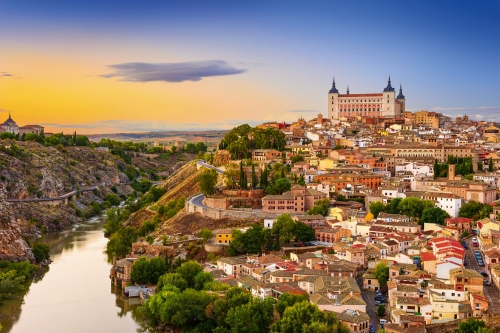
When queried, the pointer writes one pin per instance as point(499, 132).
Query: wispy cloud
point(2, 74)
point(460, 109)
point(171, 72)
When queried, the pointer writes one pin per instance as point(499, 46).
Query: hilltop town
point(387, 219)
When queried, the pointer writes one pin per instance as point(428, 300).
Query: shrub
point(41, 252)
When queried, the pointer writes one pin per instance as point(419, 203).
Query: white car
point(474, 239)
point(383, 321)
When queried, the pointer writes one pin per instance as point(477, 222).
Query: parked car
point(485, 283)
point(465, 262)
point(379, 302)
point(480, 263)
point(474, 239)
point(484, 274)
point(475, 244)
point(477, 253)
point(372, 328)
point(382, 322)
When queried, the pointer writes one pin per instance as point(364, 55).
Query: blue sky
point(271, 58)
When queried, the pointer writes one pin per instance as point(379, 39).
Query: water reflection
point(74, 294)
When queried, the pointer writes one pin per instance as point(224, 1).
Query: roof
point(427, 256)
point(353, 316)
point(464, 272)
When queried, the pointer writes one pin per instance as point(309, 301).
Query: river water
point(75, 293)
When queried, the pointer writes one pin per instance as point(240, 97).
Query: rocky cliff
point(29, 170)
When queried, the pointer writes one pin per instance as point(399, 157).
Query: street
point(490, 292)
point(369, 298)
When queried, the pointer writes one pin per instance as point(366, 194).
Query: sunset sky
point(122, 66)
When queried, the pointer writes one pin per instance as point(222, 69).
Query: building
point(266, 155)
point(297, 201)
point(9, 126)
point(223, 236)
point(383, 104)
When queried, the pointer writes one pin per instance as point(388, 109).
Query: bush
point(381, 310)
point(41, 252)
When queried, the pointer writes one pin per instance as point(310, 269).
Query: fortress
point(11, 126)
point(383, 104)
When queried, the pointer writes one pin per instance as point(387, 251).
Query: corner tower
point(400, 102)
point(389, 100)
point(333, 99)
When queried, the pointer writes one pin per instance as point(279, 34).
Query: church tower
point(333, 99)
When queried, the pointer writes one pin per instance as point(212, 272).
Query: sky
point(128, 66)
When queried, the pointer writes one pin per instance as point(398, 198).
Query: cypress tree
point(436, 168)
point(490, 165)
point(255, 179)
point(479, 166)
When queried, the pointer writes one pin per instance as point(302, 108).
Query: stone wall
point(219, 203)
point(151, 249)
point(210, 247)
point(255, 194)
point(220, 213)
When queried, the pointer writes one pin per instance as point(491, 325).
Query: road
point(197, 200)
point(490, 292)
point(369, 298)
point(209, 166)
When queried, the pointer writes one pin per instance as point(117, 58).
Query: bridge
point(57, 200)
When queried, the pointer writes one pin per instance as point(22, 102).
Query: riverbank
point(74, 294)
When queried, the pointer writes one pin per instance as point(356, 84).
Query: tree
point(230, 174)
point(264, 178)
point(148, 270)
point(41, 252)
point(255, 179)
point(253, 317)
point(206, 234)
point(287, 300)
point(376, 207)
point(490, 165)
point(173, 149)
point(433, 215)
point(207, 181)
point(82, 140)
point(381, 273)
point(470, 326)
point(381, 310)
point(253, 239)
point(302, 181)
point(413, 207)
point(282, 185)
point(393, 206)
point(172, 279)
point(436, 168)
point(480, 166)
point(321, 207)
point(303, 232)
point(283, 228)
point(475, 210)
point(120, 243)
point(188, 271)
point(201, 279)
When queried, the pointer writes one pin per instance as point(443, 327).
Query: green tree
point(381, 273)
point(255, 179)
point(376, 207)
point(381, 310)
point(321, 207)
point(201, 279)
point(490, 165)
point(41, 252)
point(120, 243)
point(230, 174)
point(148, 270)
point(303, 232)
point(264, 178)
point(475, 210)
point(287, 299)
point(189, 270)
point(206, 234)
point(172, 279)
point(254, 317)
point(253, 239)
point(480, 166)
point(413, 207)
point(470, 326)
point(173, 149)
point(302, 181)
point(393, 206)
point(283, 228)
point(206, 181)
point(282, 185)
point(433, 215)
point(82, 140)
point(436, 168)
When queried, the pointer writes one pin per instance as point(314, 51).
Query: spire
point(347, 89)
point(334, 89)
point(9, 115)
point(389, 87)
point(400, 96)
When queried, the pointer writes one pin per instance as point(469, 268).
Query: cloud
point(458, 109)
point(3, 110)
point(171, 72)
point(4, 74)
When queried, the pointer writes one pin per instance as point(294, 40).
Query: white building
point(415, 168)
point(9, 126)
point(449, 202)
point(346, 105)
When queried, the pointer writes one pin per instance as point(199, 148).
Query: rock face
point(13, 247)
point(33, 171)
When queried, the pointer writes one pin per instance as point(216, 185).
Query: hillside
point(182, 183)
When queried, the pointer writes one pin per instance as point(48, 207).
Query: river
point(75, 293)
